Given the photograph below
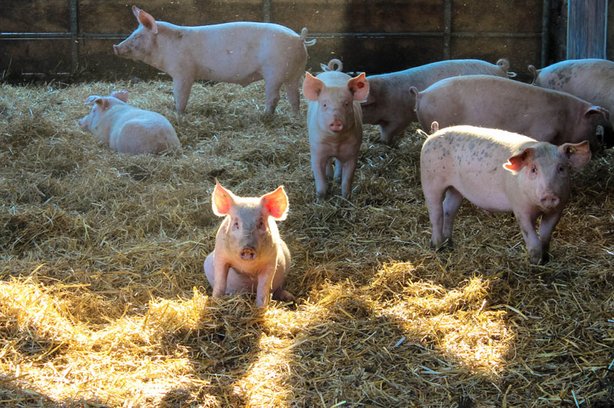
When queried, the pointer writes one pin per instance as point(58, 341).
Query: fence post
point(587, 22)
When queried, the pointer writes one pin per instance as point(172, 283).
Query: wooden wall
point(73, 38)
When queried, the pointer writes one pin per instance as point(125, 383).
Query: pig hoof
point(283, 296)
point(446, 244)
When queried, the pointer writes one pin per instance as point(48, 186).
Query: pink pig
point(127, 129)
point(392, 108)
point(498, 171)
point(334, 122)
point(499, 103)
point(239, 52)
point(590, 79)
point(249, 254)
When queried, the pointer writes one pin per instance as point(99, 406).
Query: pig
point(334, 124)
point(249, 255)
point(589, 79)
point(392, 108)
point(498, 171)
point(239, 52)
point(493, 102)
point(128, 129)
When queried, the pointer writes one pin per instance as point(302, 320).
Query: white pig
point(249, 254)
point(498, 103)
point(392, 108)
point(127, 129)
point(498, 171)
point(590, 79)
point(334, 123)
point(239, 52)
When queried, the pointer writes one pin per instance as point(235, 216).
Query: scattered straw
point(103, 301)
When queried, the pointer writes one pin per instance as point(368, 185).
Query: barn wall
point(74, 37)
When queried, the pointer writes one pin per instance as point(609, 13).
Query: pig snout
point(336, 125)
point(248, 253)
point(117, 50)
point(549, 201)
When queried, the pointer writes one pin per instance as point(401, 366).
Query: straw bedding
point(103, 301)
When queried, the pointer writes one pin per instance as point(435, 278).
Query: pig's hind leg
point(272, 86)
point(433, 196)
point(293, 94)
point(451, 204)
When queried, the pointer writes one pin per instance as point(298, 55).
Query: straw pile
point(103, 301)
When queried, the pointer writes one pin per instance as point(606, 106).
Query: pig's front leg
point(263, 291)
point(220, 276)
point(318, 166)
point(546, 227)
point(391, 132)
point(527, 221)
point(347, 176)
point(181, 91)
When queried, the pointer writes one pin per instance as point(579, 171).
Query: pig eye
point(261, 224)
point(561, 168)
point(235, 224)
point(324, 105)
point(534, 169)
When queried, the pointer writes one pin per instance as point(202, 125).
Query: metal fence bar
point(447, 29)
point(74, 35)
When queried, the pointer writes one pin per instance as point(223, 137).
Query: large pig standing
point(392, 108)
point(239, 52)
point(334, 123)
point(492, 102)
point(249, 254)
point(589, 79)
point(498, 171)
point(127, 129)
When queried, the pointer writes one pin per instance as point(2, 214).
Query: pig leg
point(263, 290)
point(548, 222)
point(271, 92)
point(293, 95)
point(347, 176)
point(181, 91)
point(283, 262)
point(451, 204)
point(220, 275)
point(337, 174)
point(318, 166)
point(391, 132)
point(527, 227)
point(434, 203)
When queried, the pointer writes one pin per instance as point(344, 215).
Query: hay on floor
point(103, 301)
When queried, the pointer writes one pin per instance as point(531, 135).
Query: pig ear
point(578, 154)
point(312, 87)
point(597, 110)
point(91, 99)
point(359, 87)
point(146, 19)
point(222, 200)
point(517, 162)
point(276, 203)
point(121, 95)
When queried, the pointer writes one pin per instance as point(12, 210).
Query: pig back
point(389, 96)
point(589, 79)
point(138, 131)
point(493, 102)
point(471, 160)
point(238, 52)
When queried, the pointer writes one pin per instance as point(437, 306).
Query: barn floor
point(103, 302)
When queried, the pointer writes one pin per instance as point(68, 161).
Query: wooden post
point(587, 28)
